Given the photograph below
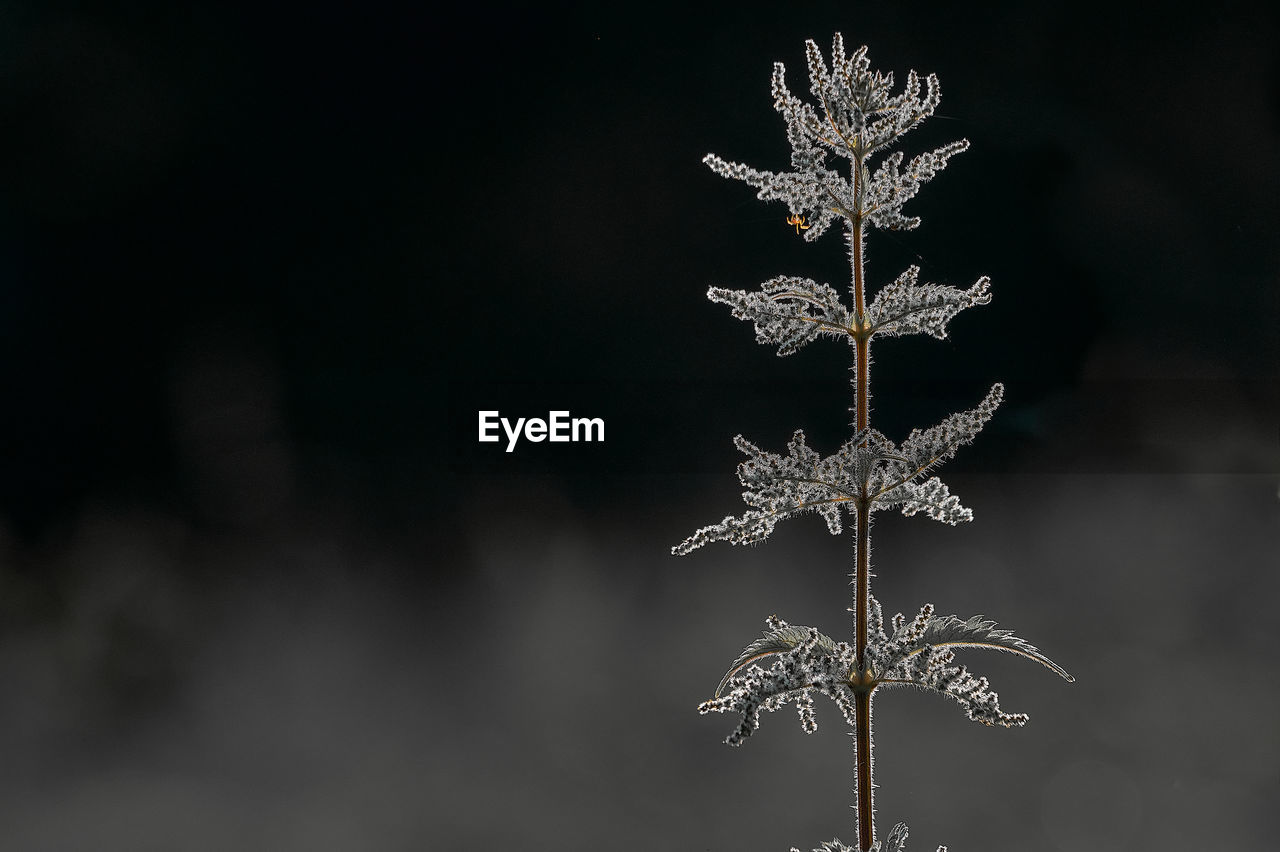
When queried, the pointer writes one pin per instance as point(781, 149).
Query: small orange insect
point(798, 221)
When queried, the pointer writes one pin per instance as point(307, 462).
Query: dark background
point(261, 264)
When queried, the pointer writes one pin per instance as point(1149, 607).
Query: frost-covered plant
point(854, 117)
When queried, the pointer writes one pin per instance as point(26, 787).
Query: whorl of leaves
point(789, 312)
point(918, 654)
point(855, 115)
point(779, 487)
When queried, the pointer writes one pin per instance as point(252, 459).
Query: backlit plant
point(854, 117)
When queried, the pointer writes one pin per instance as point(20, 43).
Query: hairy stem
point(866, 824)
point(862, 546)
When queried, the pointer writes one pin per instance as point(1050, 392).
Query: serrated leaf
point(932, 497)
point(773, 642)
point(893, 184)
point(809, 193)
point(906, 307)
point(926, 448)
point(977, 632)
point(788, 312)
point(929, 447)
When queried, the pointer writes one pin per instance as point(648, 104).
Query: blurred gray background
point(260, 587)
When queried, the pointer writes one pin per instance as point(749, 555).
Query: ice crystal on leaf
point(855, 116)
point(919, 653)
point(905, 307)
point(779, 638)
point(788, 312)
point(805, 661)
point(924, 450)
point(891, 186)
point(779, 487)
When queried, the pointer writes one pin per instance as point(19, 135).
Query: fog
point(301, 694)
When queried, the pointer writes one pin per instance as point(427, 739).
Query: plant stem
point(862, 545)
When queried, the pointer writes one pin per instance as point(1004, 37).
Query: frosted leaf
point(788, 312)
point(801, 120)
point(931, 669)
point(931, 497)
point(891, 186)
point(906, 636)
point(974, 694)
point(814, 192)
point(804, 707)
point(905, 307)
point(925, 449)
point(977, 632)
point(895, 482)
point(750, 528)
point(904, 112)
point(875, 621)
point(813, 663)
point(841, 111)
point(884, 653)
point(776, 640)
point(919, 654)
point(777, 488)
